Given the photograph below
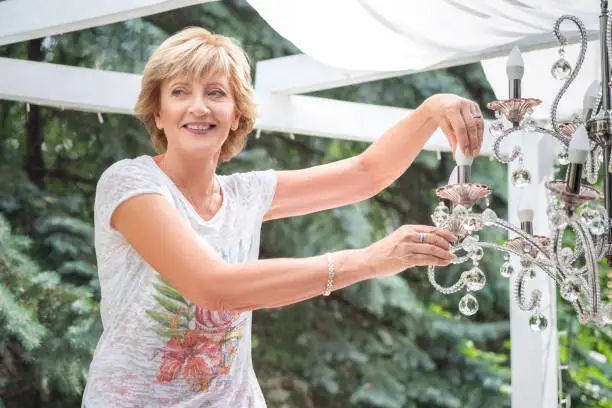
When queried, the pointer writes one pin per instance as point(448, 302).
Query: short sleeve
point(120, 182)
point(256, 190)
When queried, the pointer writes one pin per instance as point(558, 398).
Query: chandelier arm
point(543, 264)
point(562, 269)
point(431, 275)
point(562, 139)
point(591, 263)
point(564, 265)
point(520, 286)
point(527, 237)
point(583, 47)
point(503, 157)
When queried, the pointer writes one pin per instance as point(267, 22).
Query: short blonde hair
point(195, 52)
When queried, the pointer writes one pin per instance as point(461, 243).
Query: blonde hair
point(195, 52)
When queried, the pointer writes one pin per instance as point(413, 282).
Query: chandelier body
point(586, 142)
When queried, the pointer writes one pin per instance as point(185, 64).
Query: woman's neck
point(195, 178)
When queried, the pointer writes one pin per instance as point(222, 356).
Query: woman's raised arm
point(163, 239)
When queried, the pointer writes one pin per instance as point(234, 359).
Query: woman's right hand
point(403, 249)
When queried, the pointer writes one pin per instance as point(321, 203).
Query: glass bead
point(521, 178)
point(559, 219)
point(460, 212)
point(506, 269)
point(529, 124)
point(593, 221)
point(571, 288)
point(477, 254)
point(561, 69)
point(506, 257)
point(440, 215)
point(488, 217)
point(468, 305)
point(469, 223)
point(538, 322)
point(566, 254)
point(475, 279)
point(496, 129)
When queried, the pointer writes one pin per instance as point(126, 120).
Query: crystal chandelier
point(586, 142)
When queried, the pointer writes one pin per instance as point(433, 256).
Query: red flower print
point(211, 319)
point(193, 355)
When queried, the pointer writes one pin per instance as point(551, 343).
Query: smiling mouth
point(199, 128)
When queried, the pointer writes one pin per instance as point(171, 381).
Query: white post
point(533, 356)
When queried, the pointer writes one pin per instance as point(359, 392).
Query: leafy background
point(387, 343)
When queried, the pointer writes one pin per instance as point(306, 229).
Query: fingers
point(479, 129)
point(447, 235)
point(471, 129)
point(459, 129)
point(450, 134)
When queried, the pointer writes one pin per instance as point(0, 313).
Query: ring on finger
point(476, 115)
point(422, 237)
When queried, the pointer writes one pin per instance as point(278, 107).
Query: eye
point(216, 93)
point(178, 92)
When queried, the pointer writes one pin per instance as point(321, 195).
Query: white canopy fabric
point(395, 35)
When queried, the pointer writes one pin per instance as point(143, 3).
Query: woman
point(177, 245)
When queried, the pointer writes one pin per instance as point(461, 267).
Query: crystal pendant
point(468, 305)
point(488, 217)
point(571, 288)
point(440, 215)
point(521, 178)
point(475, 279)
point(559, 219)
point(506, 269)
point(561, 69)
point(477, 254)
point(606, 314)
point(563, 157)
point(529, 124)
point(538, 322)
point(593, 221)
point(460, 212)
point(469, 223)
point(566, 254)
point(496, 129)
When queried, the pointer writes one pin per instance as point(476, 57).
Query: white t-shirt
point(158, 349)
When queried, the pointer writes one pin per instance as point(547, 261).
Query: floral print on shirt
point(200, 344)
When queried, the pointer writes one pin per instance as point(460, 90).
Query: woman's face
point(197, 115)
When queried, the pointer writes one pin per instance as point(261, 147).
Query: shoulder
point(125, 179)
point(250, 183)
point(254, 189)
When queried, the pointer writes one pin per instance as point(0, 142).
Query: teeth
point(199, 127)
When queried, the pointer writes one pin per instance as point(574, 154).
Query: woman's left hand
point(460, 119)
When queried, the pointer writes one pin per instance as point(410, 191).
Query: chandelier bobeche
point(586, 142)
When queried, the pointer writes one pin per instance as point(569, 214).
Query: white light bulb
point(461, 158)
point(579, 146)
point(515, 67)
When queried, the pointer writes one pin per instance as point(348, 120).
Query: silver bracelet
point(330, 275)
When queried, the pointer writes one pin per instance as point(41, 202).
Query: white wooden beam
point(105, 91)
point(330, 118)
point(27, 19)
point(303, 74)
point(64, 86)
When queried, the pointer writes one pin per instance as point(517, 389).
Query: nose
point(198, 106)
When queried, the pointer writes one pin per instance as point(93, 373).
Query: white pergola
point(345, 42)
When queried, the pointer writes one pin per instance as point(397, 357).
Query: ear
point(158, 121)
point(236, 122)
